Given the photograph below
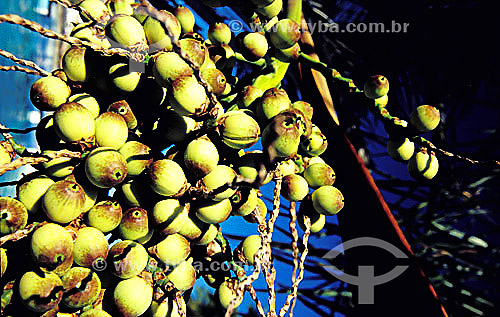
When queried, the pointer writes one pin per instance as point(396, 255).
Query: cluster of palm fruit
point(162, 164)
point(422, 164)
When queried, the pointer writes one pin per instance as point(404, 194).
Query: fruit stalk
point(24, 62)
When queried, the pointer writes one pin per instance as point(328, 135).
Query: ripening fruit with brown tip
point(134, 224)
point(122, 78)
point(186, 18)
point(201, 156)
point(78, 63)
point(123, 109)
point(304, 107)
point(48, 93)
point(288, 55)
point(168, 66)
point(138, 157)
point(400, 149)
point(294, 187)
point(127, 259)
point(319, 174)
point(105, 167)
point(52, 248)
point(316, 143)
point(81, 287)
point(125, 30)
point(73, 122)
point(172, 250)
point(238, 130)
point(169, 215)
point(423, 165)
point(219, 33)
point(111, 130)
point(249, 97)
point(89, 246)
point(376, 86)
point(183, 276)
point(96, 9)
point(13, 215)
point(226, 292)
point(253, 45)
point(188, 97)
point(63, 201)
point(40, 292)
point(105, 215)
point(281, 137)
point(425, 118)
point(271, 10)
point(215, 80)
point(219, 182)
point(167, 178)
point(87, 101)
point(327, 200)
point(273, 101)
point(285, 33)
point(157, 32)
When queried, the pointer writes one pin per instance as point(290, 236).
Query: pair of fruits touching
point(163, 211)
point(423, 163)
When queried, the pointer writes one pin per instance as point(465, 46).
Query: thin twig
point(24, 62)
point(179, 300)
point(15, 68)
point(258, 304)
point(19, 234)
point(292, 297)
point(21, 161)
point(22, 131)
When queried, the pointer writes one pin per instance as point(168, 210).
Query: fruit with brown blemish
point(285, 33)
point(73, 122)
point(122, 108)
point(188, 96)
point(219, 182)
point(201, 156)
point(327, 200)
point(52, 248)
point(40, 292)
point(63, 201)
point(134, 224)
point(423, 165)
point(167, 178)
point(13, 215)
point(186, 18)
point(105, 167)
point(238, 130)
point(127, 259)
point(319, 174)
point(89, 246)
point(105, 215)
point(48, 93)
point(425, 118)
point(376, 87)
point(81, 287)
point(294, 187)
point(133, 296)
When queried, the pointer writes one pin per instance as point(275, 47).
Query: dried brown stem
point(292, 297)
point(258, 304)
point(35, 27)
point(180, 307)
point(21, 161)
point(24, 62)
point(19, 234)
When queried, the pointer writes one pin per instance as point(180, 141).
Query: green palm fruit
point(78, 64)
point(13, 215)
point(201, 156)
point(215, 80)
point(425, 118)
point(251, 167)
point(288, 55)
point(400, 150)
point(175, 127)
point(129, 258)
point(167, 308)
point(253, 45)
point(95, 312)
point(244, 201)
point(120, 6)
point(111, 130)
point(285, 33)
point(137, 156)
point(89, 246)
point(423, 165)
point(316, 143)
point(31, 191)
point(183, 276)
point(89, 190)
point(226, 292)
point(260, 212)
point(304, 107)
point(219, 33)
point(238, 130)
point(123, 109)
point(105, 215)
point(319, 174)
point(273, 101)
point(122, 78)
point(213, 211)
point(3, 261)
point(7, 153)
point(195, 50)
point(247, 249)
point(48, 93)
point(249, 97)
point(198, 231)
point(172, 250)
point(189, 97)
point(376, 86)
point(40, 292)
point(73, 122)
point(52, 248)
point(105, 167)
point(63, 201)
point(317, 220)
point(186, 18)
point(219, 181)
point(133, 297)
point(59, 167)
point(81, 287)
point(281, 137)
point(87, 101)
point(59, 73)
point(96, 9)
point(85, 32)
point(294, 187)
point(170, 215)
point(271, 10)
point(382, 101)
point(134, 224)
point(327, 200)
point(167, 178)
point(168, 66)
point(157, 30)
point(125, 30)
point(134, 193)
